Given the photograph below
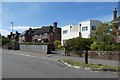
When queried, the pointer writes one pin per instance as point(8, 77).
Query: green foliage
point(57, 43)
point(104, 33)
point(102, 46)
point(60, 47)
point(103, 38)
point(3, 41)
point(92, 66)
point(31, 43)
point(78, 44)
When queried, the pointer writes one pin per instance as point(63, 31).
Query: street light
point(12, 26)
point(12, 34)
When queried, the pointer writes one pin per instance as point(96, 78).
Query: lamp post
point(12, 27)
point(12, 34)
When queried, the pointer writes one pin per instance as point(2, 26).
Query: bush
point(57, 43)
point(60, 47)
point(78, 44)
point(4, 41)
point(102, 46)
point(31, 43)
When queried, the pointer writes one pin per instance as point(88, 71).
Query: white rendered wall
point(85, 34)
point(72, 33)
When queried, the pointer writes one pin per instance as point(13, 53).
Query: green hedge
point(31, 43)
point(78, 44)
point(102, 46)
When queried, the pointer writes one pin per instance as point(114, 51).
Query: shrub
point(31, 43)
point(60, 47)
point(56, 43)
point(4, 41)
point(102, 46)
point(78, 44)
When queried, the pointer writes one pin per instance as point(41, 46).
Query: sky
point(38, 14)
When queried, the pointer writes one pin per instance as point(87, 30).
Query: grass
point(92, 66)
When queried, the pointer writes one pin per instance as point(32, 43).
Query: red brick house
point(47, 34)
point(44, 34)
point(116, 29)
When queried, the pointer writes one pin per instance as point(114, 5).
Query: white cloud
point(4, 32)
point(22, 28)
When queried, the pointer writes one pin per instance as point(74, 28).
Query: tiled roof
point(44, 29)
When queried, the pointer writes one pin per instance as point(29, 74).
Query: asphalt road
point(20, 66)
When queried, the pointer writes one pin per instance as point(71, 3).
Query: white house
point(83, 29)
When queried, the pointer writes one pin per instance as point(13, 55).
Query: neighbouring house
point(44, 34)
point(83, 29)
point(14, 37)
point(26, 36)
point(116, 29)
point(47, 34)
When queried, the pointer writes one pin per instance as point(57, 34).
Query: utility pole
point(12, 34)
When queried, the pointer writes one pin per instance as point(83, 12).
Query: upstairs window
point(84, 28)
point(93, 27)
point(65, 31)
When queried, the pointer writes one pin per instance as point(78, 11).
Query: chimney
point(55, 30)
point(115, 24)
point(55, 24)
point(115, 14)
point(11, 33)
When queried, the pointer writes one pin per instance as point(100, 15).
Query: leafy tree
point(104, 33)
point(4, 40)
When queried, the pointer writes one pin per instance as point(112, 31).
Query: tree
point(104, 33)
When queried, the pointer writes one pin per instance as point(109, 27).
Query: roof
point(44, 29)
point(26, 32)
point(116, 20)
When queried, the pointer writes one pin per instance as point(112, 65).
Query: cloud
point(4, 32)
point(22, 28)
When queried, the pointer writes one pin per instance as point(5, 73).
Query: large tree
point(104, 33)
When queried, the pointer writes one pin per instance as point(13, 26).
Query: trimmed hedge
point(31, 43)
point(78, 44)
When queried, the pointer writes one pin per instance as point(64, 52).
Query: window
point(84, 28)
point(93, 27)
point(45, 34)
point(65, 31)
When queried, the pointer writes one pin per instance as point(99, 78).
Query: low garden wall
point(108, 55)
point(35, 48)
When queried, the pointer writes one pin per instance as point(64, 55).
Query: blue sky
point(37, 14)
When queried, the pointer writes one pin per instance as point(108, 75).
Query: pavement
point(90, 60)
point(22, 64)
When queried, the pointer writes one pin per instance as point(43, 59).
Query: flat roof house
point(83, 29)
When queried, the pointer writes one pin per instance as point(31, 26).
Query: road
point(20, 66)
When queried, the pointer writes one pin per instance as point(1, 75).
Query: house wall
point(72, 32)
point(89, 24)
point(85, 34)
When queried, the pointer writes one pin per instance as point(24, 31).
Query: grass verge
point(101, 67)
